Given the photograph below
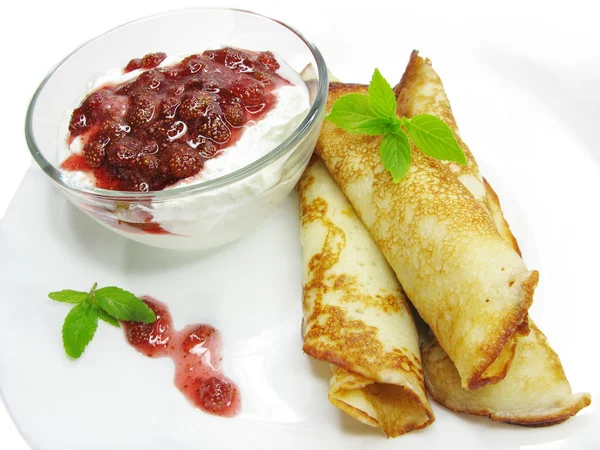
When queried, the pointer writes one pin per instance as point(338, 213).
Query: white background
point(36, 35)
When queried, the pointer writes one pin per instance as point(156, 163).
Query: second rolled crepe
point(468, 284)
point(421, 92)
point(356, 317)
point(535, 391)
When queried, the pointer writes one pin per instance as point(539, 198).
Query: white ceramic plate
point(114, 398)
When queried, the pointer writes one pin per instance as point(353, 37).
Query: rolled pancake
point(355, 314)
point(421, 91)
point(467, 283)
point(536, 390)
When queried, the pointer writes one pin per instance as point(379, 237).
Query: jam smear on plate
point(161, 127)
point(196, 352)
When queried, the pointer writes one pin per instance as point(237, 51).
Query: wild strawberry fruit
point(206, 82)
point(169, 130)
point(149, 147)
point(152, 60)
point(183, 161)
point(150, 338)
point(199, 336)
point(269, 60)
point(175, 90)
point(114, 107)
point(174, 73)
point(79, 122)
point(195, 105)
point(134, 64)
point(138, 332)
point(235, 115)
point(124, 153)
point(149, 81)
point(213, 127)
point(206, 149)
point(264, 77)
point(114, 130)
point(238, 61)
point(94, 153)
point(210, 54)
point(93, 103)
point(142, 110)
point(149, 165)
point(194, 64)
point(215, 394)
point(91, 110)
point(168, 107)
point(250, 91)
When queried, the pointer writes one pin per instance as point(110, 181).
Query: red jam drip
point(77, 162)
point(147, 226)
point(196, 352)
point(162, 126)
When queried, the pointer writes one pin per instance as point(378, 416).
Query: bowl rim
point(207, 186)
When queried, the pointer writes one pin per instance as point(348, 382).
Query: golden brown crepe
point(535, 391)
point(355, 314)
point(421, 92)
point(468, 284)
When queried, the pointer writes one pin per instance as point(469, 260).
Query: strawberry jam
point(162, 126)
point(196, 352)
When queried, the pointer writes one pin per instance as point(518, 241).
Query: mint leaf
point(68, 296)
point(433, 137)
point(123, 305)
point(104, 316)
point(373, 127)
point(396, 155)
point(351, 111)
point(381, 96)
point(79, 328)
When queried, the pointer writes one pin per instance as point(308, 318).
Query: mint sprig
point(381, 96)
point(79, 328)
point(109, 304)
point(374, 114)
point(69, 296)
point(433, 137)
point(123, 305)
point(395, 153)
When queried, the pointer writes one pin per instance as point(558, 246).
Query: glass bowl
point(198, 216)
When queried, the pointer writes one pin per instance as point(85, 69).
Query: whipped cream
point(221, 214)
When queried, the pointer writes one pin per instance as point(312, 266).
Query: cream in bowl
point(165, 122)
